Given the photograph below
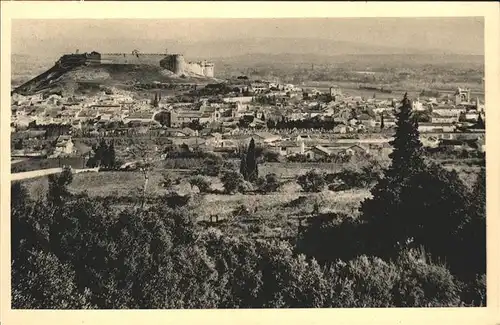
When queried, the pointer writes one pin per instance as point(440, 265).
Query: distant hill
point(228, 47)
point(379, 60)
point(304, 46)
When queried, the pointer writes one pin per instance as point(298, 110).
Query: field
point(270, 215)
point(267, 215)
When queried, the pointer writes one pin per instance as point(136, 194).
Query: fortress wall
point(174, 63)
point(124, 58)
point(202, 69)
point(209, 71)
point(195, 68)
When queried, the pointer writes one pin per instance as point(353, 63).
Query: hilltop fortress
point(172, 62)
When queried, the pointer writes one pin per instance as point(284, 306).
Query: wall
point(201, 68)
point(174, 63)
point(195, 68)
point(124, 58)
point(209, 71)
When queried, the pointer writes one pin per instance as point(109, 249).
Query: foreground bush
point(407, 282)
point(74, 252)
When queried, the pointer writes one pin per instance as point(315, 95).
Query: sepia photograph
point(247, 163)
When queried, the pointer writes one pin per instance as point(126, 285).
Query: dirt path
point(13, 162)
point(45, 172)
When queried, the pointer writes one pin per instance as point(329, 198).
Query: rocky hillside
point(70, 80)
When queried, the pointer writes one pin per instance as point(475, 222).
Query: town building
point(64, 146)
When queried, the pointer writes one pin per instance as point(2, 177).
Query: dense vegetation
point(420, 241)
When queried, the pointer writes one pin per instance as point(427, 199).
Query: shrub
point(232, 181)
point(174, 200)
point(329, 237)
point(371, 281)
point(355, 176)
point(58, 184)
point(423, 284)
point(245, 186)
point(51, 284)
point(201, 182)
point(312, 181)
point(408, 282)
point(269, 183)
point(296, 202)
point(241, 210)
point(211, 167)
point(426, 208)
point(167, 181)
point(270, 156)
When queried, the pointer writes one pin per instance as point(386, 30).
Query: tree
point(18, 145)
point(312, 181)
point(58, 183)
point(163, 118)
point(269, 183)
point(104, 155)
point(381, 210)
point(156, 101)
point(102, 152)
point(382, 125)
point(480, 123)
point(211, 166)
point(111, 155)
point(270, 156)
point(167, 181)
point(271, 124)
point(43, 282)
point(407, 146)
point(472, 234)
point(195, 125)
point(262, 117)
point(231, 181)
point(144, 156)
point(422, 203)
point(19, 196)
point(251, 162)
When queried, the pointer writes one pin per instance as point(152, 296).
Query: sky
point(464, 35)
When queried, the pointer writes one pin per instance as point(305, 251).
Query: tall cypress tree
point(480, 123)
point(156, 100)
point(407, 152)
point(381, 211)
point(101, 153)
point(111, 155)
point(251, 162)
point(382, 121)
